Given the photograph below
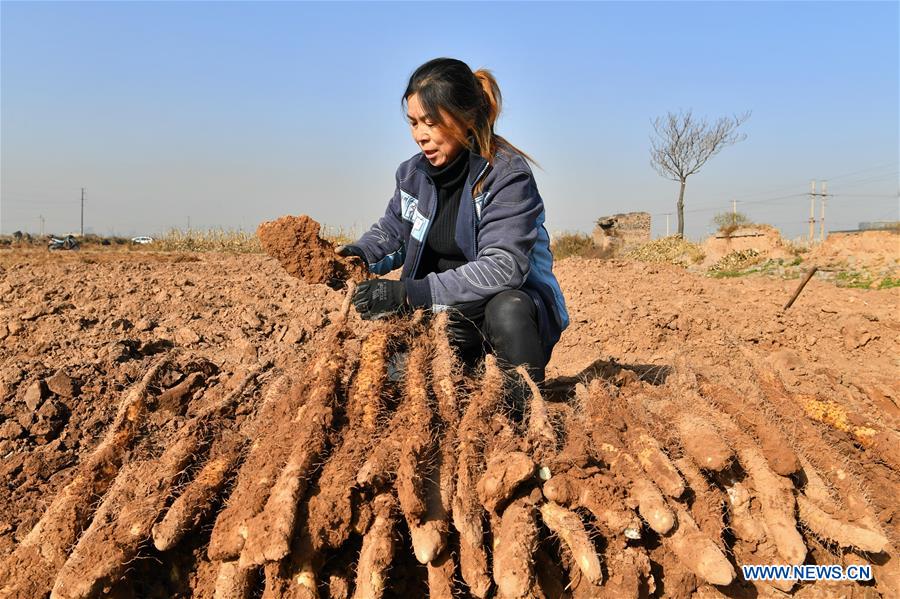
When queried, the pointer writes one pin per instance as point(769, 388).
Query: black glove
point(350, 250)
point(377, 298)
point(459, 329)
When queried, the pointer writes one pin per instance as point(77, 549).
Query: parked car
point(142, 240)
point(66, 243)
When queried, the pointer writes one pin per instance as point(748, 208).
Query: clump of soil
point(294, 241)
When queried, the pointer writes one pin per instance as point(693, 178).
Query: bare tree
point(682, 145)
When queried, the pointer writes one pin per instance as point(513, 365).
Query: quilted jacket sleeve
point(384, 244)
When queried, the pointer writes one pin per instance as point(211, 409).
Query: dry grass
point(229, 240)
point(565, 245)
point(673, 250)
point(210, 240)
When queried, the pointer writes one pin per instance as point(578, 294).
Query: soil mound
point(764, 240)
point(294, 241)
point(878, 251)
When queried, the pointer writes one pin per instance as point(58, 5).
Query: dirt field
point(206, 425)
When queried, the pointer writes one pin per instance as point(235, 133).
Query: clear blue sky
point(228, 114)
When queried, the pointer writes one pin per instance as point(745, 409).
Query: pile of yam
point(383, 468)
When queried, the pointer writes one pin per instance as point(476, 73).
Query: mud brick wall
point(621, 232)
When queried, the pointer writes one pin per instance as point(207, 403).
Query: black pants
point(506, 325)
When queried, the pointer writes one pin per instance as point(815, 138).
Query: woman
point(466, 223)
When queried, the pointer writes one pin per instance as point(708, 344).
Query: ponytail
point(489, 143)
point(491, 92)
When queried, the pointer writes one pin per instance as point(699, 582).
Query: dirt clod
point(294, 241)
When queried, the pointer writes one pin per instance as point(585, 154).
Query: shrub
point(729, 222)
point(564, 245)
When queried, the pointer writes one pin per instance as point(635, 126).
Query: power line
point(871, 168)
point(834, 178)
point(862, 182)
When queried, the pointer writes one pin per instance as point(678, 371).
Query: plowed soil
point(798, 411)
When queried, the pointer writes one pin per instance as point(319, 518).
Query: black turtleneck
point(441, 252)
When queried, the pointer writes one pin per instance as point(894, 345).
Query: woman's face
point(438, 145)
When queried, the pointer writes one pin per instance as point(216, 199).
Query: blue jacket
point(501, 233)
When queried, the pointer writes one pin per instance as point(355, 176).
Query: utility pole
point(82, 211)
point(41, 218)
point(812, 209)
point(668, 214)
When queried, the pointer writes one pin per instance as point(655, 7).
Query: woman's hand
point(377, 298)
point(349, 250)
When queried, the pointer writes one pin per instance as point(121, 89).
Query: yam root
point(377, 550)
point(514, 545)
point(333, 499)
point(746, 527)
point(381, 466)
point(540, 433)
point(445, 373)
point(124, 519)
point(269, 534)
point(185, 512)
point(567, 525)
point(233, 582)
point(597, 495)
point(30, 570)
point(503, 475)
point(697, 552)
point(703, 443)
point(707, 504)
point(657, 465)
point(467, 511)
point(417, 446)
point(751, 417)
point(775, 493)
point(364, 405)
point(833, 530)
point(429, 536)
point(122, 522)
point(441, 571)
point(776, 498)
point(643, 494)
point(267, 455)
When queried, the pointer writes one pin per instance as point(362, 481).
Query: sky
point(226, 114)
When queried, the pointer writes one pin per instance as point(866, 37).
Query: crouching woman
point(466, 225)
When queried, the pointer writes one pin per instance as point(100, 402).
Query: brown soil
point(114, 377)
point(294, 241)
point(877, 251)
